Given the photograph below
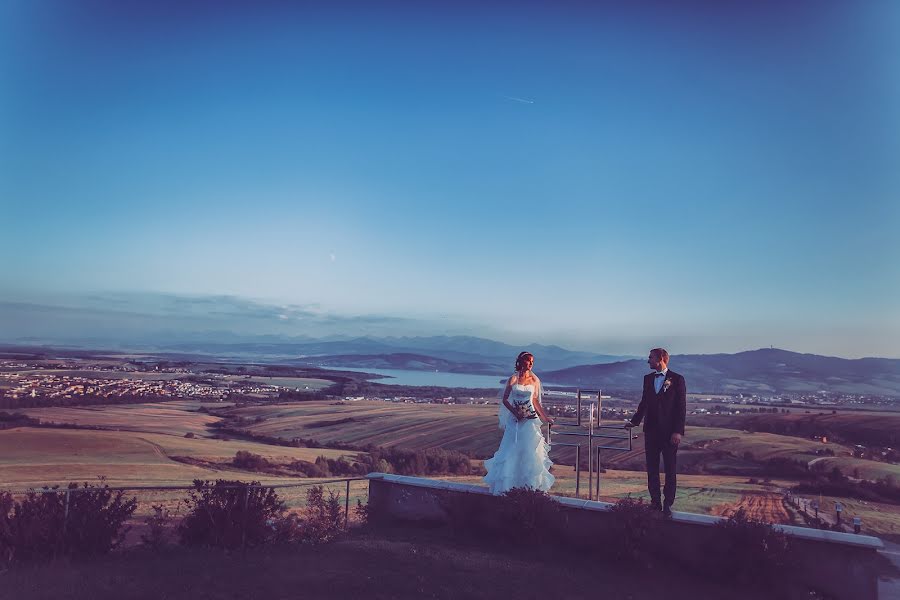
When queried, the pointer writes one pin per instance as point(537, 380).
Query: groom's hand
point(676, 439)
point(628, 424)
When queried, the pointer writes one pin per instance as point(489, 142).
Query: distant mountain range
point(761, 371)
point(455, 354)
point(758, 371)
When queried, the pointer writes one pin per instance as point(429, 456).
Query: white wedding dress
point(522, 459)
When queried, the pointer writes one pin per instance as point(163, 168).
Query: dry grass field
point(37, 456)
point(854, 427)
point(464, 427)
point(175, 418)
point(139, 450)
point(860, 468)
point(764, 446)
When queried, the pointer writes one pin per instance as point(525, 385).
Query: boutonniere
point(666, 385)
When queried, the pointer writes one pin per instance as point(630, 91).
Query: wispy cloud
point(517, 99)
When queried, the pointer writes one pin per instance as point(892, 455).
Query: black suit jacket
point(663, 413)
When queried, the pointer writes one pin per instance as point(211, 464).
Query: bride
point(521, 460)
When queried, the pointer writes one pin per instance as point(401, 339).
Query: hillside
point(756, 371)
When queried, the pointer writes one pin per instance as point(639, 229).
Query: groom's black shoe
point(656, 505)
point(667, 511)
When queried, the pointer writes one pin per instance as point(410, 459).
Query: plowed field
point(761, 506)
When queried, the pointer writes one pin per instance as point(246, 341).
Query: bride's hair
point(520, 360)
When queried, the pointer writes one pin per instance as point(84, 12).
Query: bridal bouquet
point(524, 410)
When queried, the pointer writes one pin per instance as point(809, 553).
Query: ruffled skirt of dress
point(521, 460)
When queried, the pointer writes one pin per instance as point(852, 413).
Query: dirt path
point(157, 449)
point(767, 507)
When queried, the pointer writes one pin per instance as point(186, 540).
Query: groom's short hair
point(661, 353)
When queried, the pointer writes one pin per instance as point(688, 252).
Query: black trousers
point(653, 448)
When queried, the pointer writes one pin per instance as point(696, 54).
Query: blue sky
point(716, 177)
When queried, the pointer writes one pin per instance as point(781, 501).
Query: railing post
point(347, 506)
point(65, 520)
point(244, 519)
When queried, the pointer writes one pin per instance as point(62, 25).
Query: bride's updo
point(520, 360)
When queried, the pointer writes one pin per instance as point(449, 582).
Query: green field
point(297, 383)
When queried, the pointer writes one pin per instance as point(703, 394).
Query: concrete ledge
point(843, 565)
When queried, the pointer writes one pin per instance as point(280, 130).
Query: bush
point(158, 528)
point(229, 514)
point(308, 469)
point(322, 521)
point(750, 552)
point(527, 515)
point(631, 531)
point(362, 512)
point(324, 517)
point(40, 527)
point(250, 461)
point(6, 549)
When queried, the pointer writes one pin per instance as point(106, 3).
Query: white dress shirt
point(658, 381)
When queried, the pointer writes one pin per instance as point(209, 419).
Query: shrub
point(750, 552)
point(250, 461)
point(631, 531)
point(41, 527)
point(324, 517)
point(308, 469)
point(229, 514)
point(6, 505)
point(527, 515)
point(362, 512)
point(158, 528)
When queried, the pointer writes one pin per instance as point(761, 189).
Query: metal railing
point(69, 491)
point(593, 400)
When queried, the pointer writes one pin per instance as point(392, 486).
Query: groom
point(663, 408)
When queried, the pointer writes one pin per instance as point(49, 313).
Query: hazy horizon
point(711, 177)
point(160, 318)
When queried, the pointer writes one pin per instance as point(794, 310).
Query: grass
point(36, 456)
point(386, 565)
point(300, 383)
point(867, 469)
point(141, 456)
point(415, 426)
point(177, 417)
point(701, 494)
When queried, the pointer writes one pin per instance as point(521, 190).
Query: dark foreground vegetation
point(237, 541)
point(382, 563)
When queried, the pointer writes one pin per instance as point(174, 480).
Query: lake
point(435, 378)
point(431, 378)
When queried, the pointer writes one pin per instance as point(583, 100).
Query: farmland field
point(94, 374)
point(177, 417)
point(140, 441)
point(852, 427)
point(416, 426)
point(37, 456)
point(299, 383)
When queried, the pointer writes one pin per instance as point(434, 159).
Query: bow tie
point(660, 375)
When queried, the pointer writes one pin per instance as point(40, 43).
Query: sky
point(711, 176)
